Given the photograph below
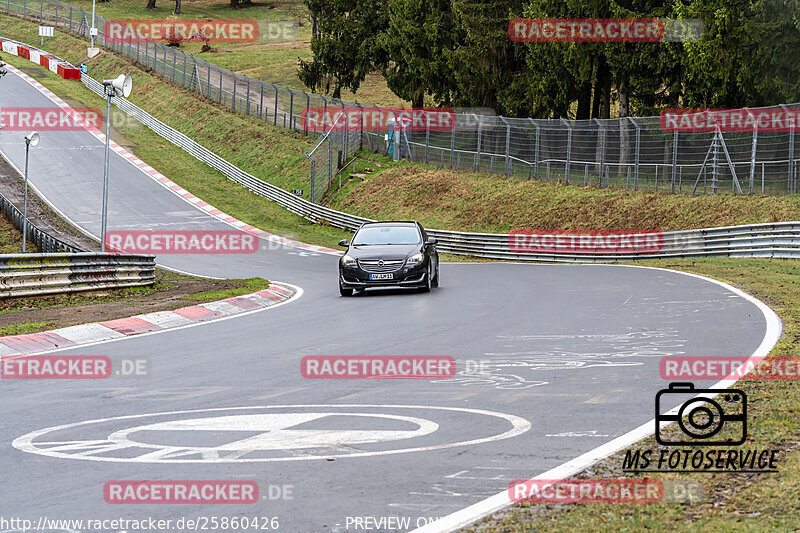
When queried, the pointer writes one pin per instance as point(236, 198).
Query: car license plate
point(381, 276)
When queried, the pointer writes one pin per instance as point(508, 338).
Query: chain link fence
point(630, 153)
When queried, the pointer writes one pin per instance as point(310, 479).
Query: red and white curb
point(47, 341)
point(169, 184)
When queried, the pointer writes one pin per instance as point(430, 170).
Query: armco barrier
point(779, 240)
point(40, 274)
point(45, 242)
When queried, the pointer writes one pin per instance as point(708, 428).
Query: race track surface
point(571, 356)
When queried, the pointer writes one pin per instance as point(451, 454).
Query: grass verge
point(733, 502)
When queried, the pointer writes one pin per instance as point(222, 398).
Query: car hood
point(396, 251)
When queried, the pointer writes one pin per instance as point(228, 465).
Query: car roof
point(391, 223)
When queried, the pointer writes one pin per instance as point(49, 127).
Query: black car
point(389, 254)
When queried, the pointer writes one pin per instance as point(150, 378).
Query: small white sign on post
point(45, 31)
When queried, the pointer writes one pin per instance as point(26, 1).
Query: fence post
point(219, 90)
point(261, 104)
point(569, 149)
point(427, 143)
point(453, 138)
point(789, 184)
point(291, 109)
point(602, 149)
point(183, 76)
point(275, 117)
point(536, 151)
point(312, 178)
point(478, 152)
point(247, 105)
point(753, 152)
point(330, 159)
point(715, 163)
point(675, 138)
point(508, 145)
point(233, 98)
point(305, 120)
point(636, 157)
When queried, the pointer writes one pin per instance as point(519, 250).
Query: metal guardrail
point(41, 274)
point(45, 242)
point(779, 240)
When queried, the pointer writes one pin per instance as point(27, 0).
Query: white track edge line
point(481, 509)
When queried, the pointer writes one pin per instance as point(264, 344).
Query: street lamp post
point(119, 86)
point(31, 139)
point(91, 33)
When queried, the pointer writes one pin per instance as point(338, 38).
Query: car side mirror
point(431, 241)
point(343, 242)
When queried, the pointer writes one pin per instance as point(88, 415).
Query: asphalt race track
point(572, 355)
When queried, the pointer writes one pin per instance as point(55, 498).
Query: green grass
point(11, 239)
point(734, 502)
point(22, 329)
point(273, 62)
point(248, 285)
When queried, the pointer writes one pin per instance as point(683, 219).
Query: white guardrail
point(777, 240)
point(41, 274)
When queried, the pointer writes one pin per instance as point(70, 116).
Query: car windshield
point(387, 235)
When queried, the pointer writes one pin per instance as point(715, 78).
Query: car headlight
point(348, 261)
point(415, 259)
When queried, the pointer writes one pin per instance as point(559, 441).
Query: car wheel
point(345, 292)
point(427, 287)
point(435, 280)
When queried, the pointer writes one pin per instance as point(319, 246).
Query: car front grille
point(381, 266)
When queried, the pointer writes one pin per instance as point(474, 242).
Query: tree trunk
point(584, 101)
point(177, 7)
point(151, 4)
point(624, 103)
